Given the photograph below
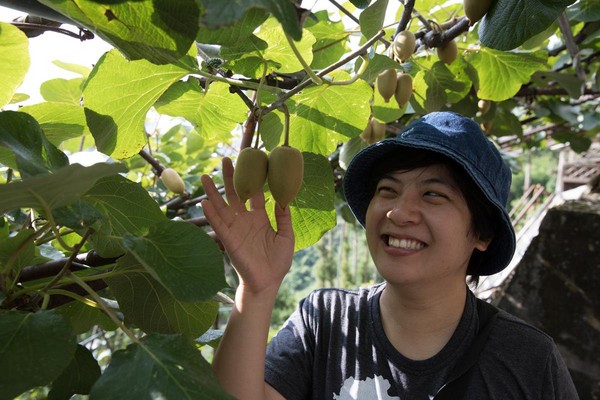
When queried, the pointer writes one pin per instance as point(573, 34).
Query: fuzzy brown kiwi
point(404, 89)
point(404, 45)
point(250, 172)
point(285, 175)
point(476, 9)
point(448, 52)
point(386, 84)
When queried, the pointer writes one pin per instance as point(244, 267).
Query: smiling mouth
point(405, 244)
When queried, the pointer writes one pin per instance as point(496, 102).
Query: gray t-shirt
point(334, 347)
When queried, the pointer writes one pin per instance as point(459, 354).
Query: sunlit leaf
point(83, 317)
point(331, 39)
point(14, 60)
point(118, 96)
point(59, 121)
point(501, 74)
point(371, 19)
point(63, 90)
point(160, 31)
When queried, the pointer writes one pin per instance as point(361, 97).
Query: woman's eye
point(385, 189)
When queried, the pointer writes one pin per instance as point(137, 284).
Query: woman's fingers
point(230, 193)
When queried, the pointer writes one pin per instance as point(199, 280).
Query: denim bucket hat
point(460, 139)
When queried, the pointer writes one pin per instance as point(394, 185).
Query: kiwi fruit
point(404, 45)
point(448, 52)
point(386, 84)
point(285, 175)
point(250, 172)
point(374, 132)
point(476, 9)
point(484, 106)
point(404, 87)
point(172, 180)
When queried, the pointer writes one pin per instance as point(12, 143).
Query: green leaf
point(79, 215)
point(350, 149)
point(312, 210)
point(223, 13)
point(35, 349)
point(59, 121)
point(129, 208)
point(182, 257)
point(371, 19)
point(232, 35)
point(433, 87)
point(323, 115)
point(63, 90)
point(32, 153)
point(18, 243)
point(501, 74)
point(279, 51)
point(571, 83)
point(160, 31)
point(83, 317)
point(152, 308)
point(75, 68)
point(117, 97)
point(14, 60)
point(331, 40)
point(160, 366)
point(61, 188)
point(204, 108)
point(78, 377)
point(584, 11)
point(509, 23)
point(378, 64)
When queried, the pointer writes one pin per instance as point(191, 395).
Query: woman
point(432, 203)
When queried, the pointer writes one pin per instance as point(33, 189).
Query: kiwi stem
point(286, 125)
point(406, 15)
point(317, 80)
point(358, 74)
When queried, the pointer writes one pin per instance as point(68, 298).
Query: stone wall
point(556, 287)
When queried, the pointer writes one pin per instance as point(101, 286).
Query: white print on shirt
point(370, 388)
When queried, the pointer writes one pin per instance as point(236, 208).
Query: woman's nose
point(405, 211)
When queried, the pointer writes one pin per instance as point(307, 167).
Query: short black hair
point(484, 217)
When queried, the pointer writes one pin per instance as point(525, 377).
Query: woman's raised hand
point(260, 255)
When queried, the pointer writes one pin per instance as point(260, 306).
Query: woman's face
point(418, 227)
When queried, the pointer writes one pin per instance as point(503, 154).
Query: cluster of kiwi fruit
point(282, 169)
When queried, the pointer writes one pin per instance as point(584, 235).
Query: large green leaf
point(331, 39)
point(30, 151)
point(236, 33)
point(221, 13)
point(182, 257)
point(117, 97)
point(78, 377)
point(63, 90)
point(571, 83)
point(501, 74)
point(160, 31)
point(159, 367)
point(34, 349)
point(312, 210)
point(371, 19)
point(129, 208)
point(83, 317)
point(63, 187)
point(433, 88)
point(152, 308)
point(323, 115)
point(585, 11)
point(509, 23)
point(59, 121)
point(204, 108)
point(14, 60)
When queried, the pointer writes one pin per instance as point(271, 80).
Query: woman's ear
point(482, 245)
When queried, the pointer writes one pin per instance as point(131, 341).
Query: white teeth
point(405, 243)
